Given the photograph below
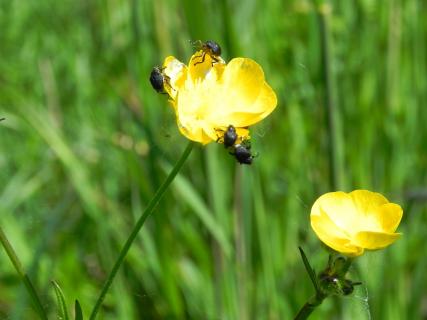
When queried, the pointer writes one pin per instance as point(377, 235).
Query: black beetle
point(242, 153)
point(230, 136)
point(158, 79)
point(209, 47)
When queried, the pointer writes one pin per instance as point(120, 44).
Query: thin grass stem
point(334, 142)
point(147, 212)
point(22, 274)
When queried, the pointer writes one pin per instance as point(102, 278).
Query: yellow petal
point(210, 132)
point(365, 219)
point(266, 101)
point(193, 108)
point(244, 79)
point(176, 73)
point(194, 133)
point(367, 201)
point(375, 240)
point(198, 70)
point(334, 237)
point(340, 209)
point(242, 97)
point(237, 119)
point(244, 91)
point(261, 108)
point(389, 216)
point(368, 205)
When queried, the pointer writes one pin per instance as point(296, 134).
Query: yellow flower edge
point(352, 222)
point(209, 96)
point(176, 73)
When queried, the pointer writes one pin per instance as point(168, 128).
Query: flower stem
point(24, 277)
point(309, 306)
point(147, 212)
point(329, 282)
point(317, 299)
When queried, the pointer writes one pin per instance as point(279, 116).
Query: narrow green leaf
point(21, 272)
point(63, 313)
point(309, 269)
point(78, 311)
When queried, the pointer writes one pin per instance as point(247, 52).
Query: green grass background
point(86, 142)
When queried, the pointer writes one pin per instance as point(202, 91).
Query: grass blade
point(60, 299)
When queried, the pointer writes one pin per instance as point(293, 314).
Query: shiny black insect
point(242, 153)
point(209, 47)
point(230, 136)
point(158, 79)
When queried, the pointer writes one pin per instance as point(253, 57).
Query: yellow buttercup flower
point(352, 222)
point(209, 96)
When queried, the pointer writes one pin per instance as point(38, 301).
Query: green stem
point(147, 212)
point(309, 306)
point(24, 277)
point(336, 271)
point(332, 112)
point(347, 265)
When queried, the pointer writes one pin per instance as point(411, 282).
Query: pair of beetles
point(242, 150)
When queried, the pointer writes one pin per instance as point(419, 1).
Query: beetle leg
point(203, 58)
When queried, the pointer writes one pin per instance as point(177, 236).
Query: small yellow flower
point(209, 96)
point(352, 222)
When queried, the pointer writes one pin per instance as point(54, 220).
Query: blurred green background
point(87, 141)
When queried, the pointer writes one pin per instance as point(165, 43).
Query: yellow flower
point(209, 96)
point(352, 222)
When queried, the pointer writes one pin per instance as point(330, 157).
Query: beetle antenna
point(196, 43)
